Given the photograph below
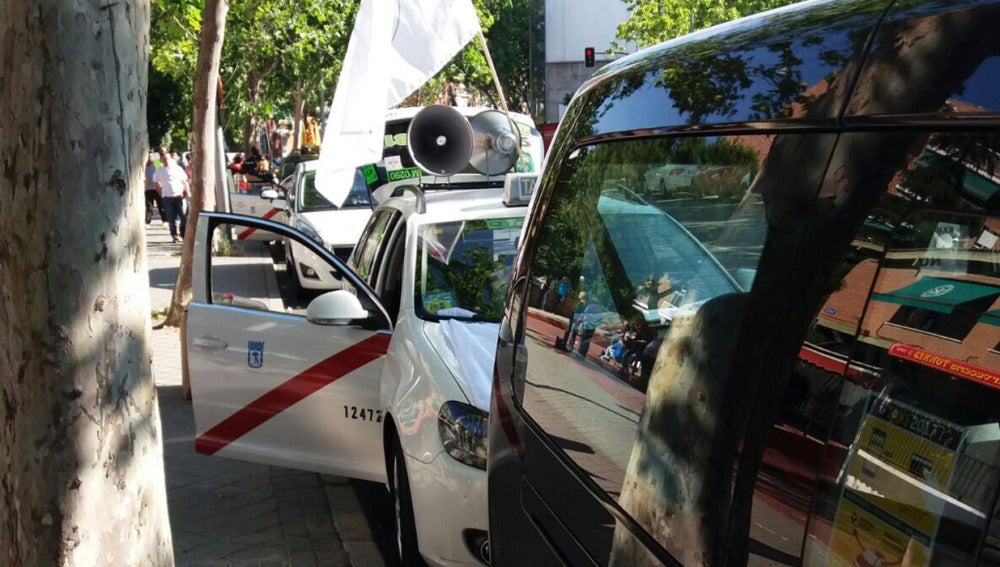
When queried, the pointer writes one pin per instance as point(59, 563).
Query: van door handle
point(210, 343)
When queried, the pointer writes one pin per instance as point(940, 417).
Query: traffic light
point(588, 56)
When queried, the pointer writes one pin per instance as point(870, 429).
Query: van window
point(643, 235)
point(918, 470)
point(880, 452)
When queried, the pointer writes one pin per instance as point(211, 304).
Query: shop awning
point(979, 186)
point(991, 317)
point(936, 294)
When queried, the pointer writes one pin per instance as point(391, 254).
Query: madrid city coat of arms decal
point(255, 354)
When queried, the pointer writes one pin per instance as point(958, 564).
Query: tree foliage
point(283, 57)
point(173, 40)
point(168, 111)
point(271, 46)
point(652, 22)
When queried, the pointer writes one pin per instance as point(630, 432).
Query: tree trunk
point(298, 110)
point(203, 144)
point(254, 79)
point(81, 459)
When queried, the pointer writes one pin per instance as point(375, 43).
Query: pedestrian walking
point(152, 194)
point(172, 182)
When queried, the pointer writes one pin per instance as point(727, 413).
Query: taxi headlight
point(463, 433)
point(309, 231)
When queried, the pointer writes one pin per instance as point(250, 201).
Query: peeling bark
point(81, 466)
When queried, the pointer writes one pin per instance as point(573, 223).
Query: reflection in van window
point(644, 234)
point(918, 476)
point(887, 441)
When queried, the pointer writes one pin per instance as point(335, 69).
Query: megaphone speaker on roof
point(440, 140)
point(494, 149)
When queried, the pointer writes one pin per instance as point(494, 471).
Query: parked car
point(666, 180)
point(821, 348)
point(334, 227)
point(722, 182)
point(426, 290)
point(289, 162)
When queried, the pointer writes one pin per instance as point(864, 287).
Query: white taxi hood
point(339, 227)
point(468, 349)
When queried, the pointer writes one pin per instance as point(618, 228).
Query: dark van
point(791, 356)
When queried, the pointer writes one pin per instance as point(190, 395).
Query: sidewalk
point(226, 512)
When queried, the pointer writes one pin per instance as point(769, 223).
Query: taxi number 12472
point(364, 414)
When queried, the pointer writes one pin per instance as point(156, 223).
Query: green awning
point(991, 317)
point(979, 186)
point(936, 294)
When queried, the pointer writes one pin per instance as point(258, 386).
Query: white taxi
point(387, 379)
point(335, 228)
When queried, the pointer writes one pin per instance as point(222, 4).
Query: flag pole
point(496, 83)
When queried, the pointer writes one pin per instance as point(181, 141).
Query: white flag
point(395, 47)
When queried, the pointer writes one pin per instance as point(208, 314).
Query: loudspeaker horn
point(440, 140)
point(494, 149)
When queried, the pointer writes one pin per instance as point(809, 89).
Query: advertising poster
point(868, 535)
point(891, 504)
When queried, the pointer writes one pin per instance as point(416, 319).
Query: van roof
point(794, 67)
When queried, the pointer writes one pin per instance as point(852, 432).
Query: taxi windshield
point(463, 268)
point(313, 200)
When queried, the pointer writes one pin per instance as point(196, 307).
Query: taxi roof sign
point(517, 188)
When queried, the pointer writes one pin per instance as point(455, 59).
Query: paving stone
point(364, 553)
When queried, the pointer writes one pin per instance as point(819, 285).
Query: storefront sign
point(954, 367)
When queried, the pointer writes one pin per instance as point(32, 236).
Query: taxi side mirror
point(278, 201)
point(338, 307)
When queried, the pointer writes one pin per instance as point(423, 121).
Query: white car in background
point(665, 180)
point(335, 228)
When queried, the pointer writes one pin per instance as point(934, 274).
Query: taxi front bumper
point(449, 498)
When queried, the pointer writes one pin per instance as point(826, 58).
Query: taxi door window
point(371, 243)
point(250, 274)
point(389, 269)
point(641, 236)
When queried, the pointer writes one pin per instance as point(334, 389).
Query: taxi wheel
point(406, 530)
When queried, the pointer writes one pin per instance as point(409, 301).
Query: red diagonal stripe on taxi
point(291, 392)
point(253, 229)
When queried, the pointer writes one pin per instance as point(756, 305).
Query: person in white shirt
point(171, 180)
